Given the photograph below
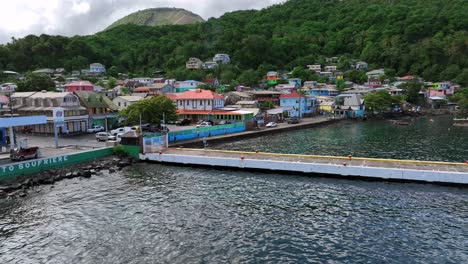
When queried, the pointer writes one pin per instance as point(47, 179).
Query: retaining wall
point(13, 170)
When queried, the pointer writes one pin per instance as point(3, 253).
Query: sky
point(83, 17)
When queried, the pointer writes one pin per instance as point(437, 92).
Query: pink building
point(79, 86)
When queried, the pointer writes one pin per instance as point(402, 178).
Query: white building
point(125, 101)
point(224, 58)
point(315, 67)
point(199, 99)
point(194, 63)
point(97, 68)
point(330, 68)
point(210, 65)
point(144, 80)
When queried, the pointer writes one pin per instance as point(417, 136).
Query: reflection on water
point(164, 214)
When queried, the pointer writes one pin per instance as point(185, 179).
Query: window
point(188, 102)
point(181, 103)
point(125, 104)
point(208, 102)
point(119, 104)
point(201, 102)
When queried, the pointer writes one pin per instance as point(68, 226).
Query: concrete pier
point(386, 169)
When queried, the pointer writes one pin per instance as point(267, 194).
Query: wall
point(9, 171)
point(333, 169)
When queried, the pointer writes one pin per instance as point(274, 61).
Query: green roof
point(94, 100)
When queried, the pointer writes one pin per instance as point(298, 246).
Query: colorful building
point(100, 108)
point(188, 85)
point(272, 78)
point(79, 86)
point(298, 105)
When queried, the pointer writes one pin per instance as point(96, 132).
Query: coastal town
point(279, 97)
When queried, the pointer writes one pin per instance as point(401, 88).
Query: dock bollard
point(242, 157)
point(466, 162)
point(350, 157)
point(344, 164)
point(257, 151)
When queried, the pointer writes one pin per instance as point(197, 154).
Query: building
point(144, 81)
point(330, 68)
point(97, 69)
point(199, 100)
point(43, 104)
point(263, 96)
point(286, 88)
point(209, 65)
point(328, 90)
point(188, 85)
point(79, 86)
point(374, 78)
point(296, 82)
point(315, 67)
point(194, 63)
point(350, 105)
point(272, 77)
point(440, 90)
point(224, 58)
point(123, 102)
point(361, 65)
point(101, 110)
point(298, 105)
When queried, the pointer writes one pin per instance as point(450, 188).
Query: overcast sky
point(81, 17)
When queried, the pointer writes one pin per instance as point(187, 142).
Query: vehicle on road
point(204, 124)
point(183, 122)
point(24, 153)
point(293, 120)
point(122, 130)
point(271, 124)
point(104, 136)
point(95, 129)
point(149, 128)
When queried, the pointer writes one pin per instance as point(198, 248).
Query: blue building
point(330, 91)
point(298, 104)
point(295, 81)
point(97, 68)
point(351, 105)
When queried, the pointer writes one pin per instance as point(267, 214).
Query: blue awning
point(22, 121)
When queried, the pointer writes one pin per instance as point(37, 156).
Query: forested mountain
point(159, 17)
point(423, 37)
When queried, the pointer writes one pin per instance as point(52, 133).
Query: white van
point(122, 130)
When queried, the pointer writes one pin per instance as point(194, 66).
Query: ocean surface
point(151, 213)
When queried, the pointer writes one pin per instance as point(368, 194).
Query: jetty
point(346, 167)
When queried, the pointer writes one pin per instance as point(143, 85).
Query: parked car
point(293, 120)
point(24, 153)
point(149, 128)
point(183, 122)
point(104, 136)
point(118, 137)
point(204, 124)
point(95, 129)
point(271, 124)
point(122, 130)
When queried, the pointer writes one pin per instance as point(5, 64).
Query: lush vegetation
point(380, 101)
point(420, 37)
point(461, 98)
point(151, 111)
point(159, 17)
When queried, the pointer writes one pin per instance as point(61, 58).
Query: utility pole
point(12, 134)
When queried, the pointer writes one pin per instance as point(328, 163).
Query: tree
point(113, 72)
point(111, 83)
point(356, 76)
point(411, 90)
point(461, 98)
point(35, 83)
point(301, 73)
point(151, 111)
point(379, 101)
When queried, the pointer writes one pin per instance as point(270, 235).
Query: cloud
point(83, 17)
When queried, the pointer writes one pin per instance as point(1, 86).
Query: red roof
point(171, 96)
point(293, 94)
point(142, 89)
point(199, 94)
point(82, 83)
point(408, 77)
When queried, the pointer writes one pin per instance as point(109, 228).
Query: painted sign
point(33, 164)
point(58, 114)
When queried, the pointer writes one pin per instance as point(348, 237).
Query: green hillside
point(423, 37)
point(159, 17)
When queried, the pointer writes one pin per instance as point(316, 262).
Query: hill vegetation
point(159, 17)
point(421, 37)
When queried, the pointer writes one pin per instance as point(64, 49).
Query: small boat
point(460, 122)
point(401, 123)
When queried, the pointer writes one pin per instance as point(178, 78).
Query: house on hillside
point(330, 68)
point(123, 102)
point(194, 63)
point(187, 85)
point(79, 86)
point(374, 78)
point(315, 67)
point(224, 58)
point(209, 65)
point(97, 69)
point(298, 105)
point(361, 66)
